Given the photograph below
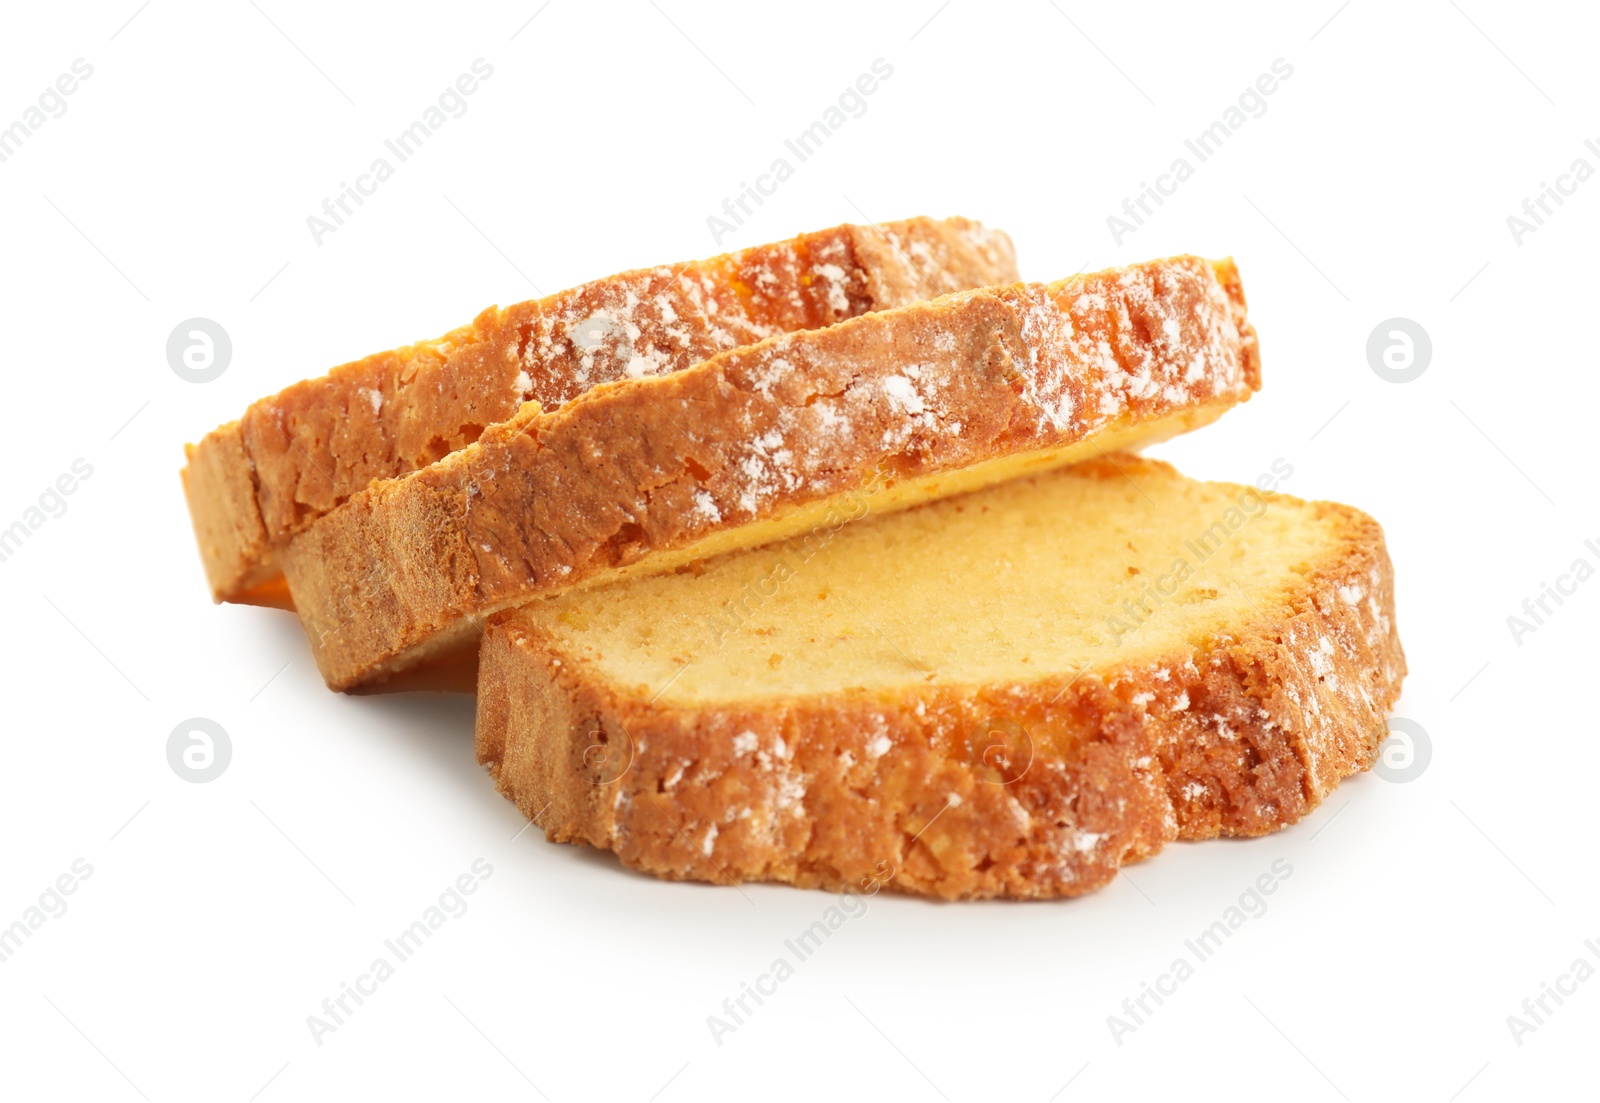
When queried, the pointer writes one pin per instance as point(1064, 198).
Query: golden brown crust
point(220, 489)
point(302, 452)
point(1042, 789)
point(630, 470)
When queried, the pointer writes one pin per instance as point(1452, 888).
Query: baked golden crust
point(220, 488)
point(253, 483)
point(733, 451)
point(1038, 789)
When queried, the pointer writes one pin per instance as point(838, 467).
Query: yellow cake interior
point(1100, 563)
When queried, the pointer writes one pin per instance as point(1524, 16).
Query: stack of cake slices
point(829, 562)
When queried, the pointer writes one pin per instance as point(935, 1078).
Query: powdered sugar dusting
point(1083, 353)
point(902, 395)
point(706, 506)
point(660, 320)
point(833, 275)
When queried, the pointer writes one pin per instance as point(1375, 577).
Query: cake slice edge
point(1239, 735)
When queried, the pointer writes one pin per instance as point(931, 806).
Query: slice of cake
point(1009, 693)
point(761, 443)
point(255, 482)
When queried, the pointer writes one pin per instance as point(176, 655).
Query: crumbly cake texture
point(253, 483)
point(1222, 714)
point(759, 443)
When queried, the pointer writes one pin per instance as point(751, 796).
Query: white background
point(1419, 915)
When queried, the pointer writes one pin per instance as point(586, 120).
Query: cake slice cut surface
point(1009, 693)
